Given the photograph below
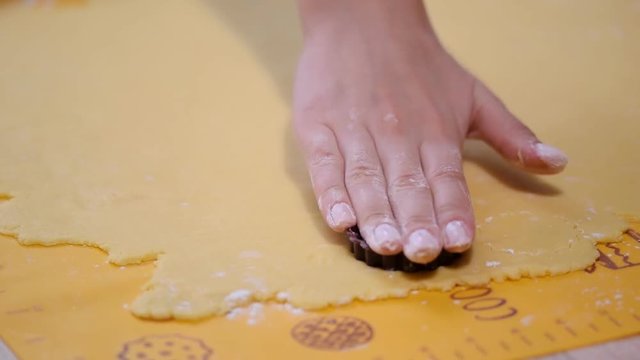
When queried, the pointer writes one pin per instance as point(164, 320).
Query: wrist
point(376, 19)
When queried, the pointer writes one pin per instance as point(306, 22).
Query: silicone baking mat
point(65, 302)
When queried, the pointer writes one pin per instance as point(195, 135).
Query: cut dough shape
point(158, 130)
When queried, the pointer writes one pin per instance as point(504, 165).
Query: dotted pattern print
point(158, 347)
point(333, 333)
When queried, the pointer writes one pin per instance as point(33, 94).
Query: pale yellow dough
point(160, 129)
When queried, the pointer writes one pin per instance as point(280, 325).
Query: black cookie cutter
point(361, 251)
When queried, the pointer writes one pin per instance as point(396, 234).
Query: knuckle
point(322, 158)
point(391, 120)
point(365, 173)
point(314, 136)
point(312, 107)
point(409, 181)
point(447, 172)
point(391, 125)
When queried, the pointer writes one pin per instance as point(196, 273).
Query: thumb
point(493, 123)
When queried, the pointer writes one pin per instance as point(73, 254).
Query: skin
point(381, 111)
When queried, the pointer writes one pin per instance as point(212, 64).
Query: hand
point(381, 111)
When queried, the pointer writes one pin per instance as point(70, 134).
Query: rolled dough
point(160, 131)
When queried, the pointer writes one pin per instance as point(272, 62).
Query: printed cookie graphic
point(172, 346)
point(333, 332)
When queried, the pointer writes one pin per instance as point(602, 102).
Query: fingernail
point(422, 246)
point(387, 238)
point(552, 156)
point(341, 216)
point(457, 237)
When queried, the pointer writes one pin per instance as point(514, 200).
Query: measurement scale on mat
point(513, 319)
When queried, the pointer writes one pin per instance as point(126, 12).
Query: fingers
point(402, 197)
point(452, 203)
point(511, 138)
point(366, 185)
point(410, 199)
point(326, 169)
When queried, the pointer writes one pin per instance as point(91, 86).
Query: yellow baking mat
point(66, 302)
